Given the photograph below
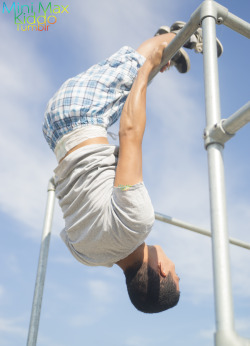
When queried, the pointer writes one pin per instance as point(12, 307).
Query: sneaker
point(163, 30)
point(195, 41)
point(181, 59)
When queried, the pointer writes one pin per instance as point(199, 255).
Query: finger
point(165, 67)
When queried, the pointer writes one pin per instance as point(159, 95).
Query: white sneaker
point(195, 41)
point(181, 59)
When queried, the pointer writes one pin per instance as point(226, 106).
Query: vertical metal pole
point(221, 259)
point(42, 265)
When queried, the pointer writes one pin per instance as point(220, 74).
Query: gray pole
point(237, 120)
point(42, 265)
point(179, 223)
point(221, 259)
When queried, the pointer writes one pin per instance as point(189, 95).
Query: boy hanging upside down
point(107, 210)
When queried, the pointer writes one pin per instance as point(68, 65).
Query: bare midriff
point(95, 140)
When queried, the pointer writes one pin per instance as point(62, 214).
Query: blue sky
point(89, 306)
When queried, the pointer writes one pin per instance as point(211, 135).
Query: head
point(153, 285)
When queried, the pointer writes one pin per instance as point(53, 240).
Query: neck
point(139, 255)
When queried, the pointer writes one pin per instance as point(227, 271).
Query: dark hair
point(148, 291)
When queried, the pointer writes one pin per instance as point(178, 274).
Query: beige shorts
point(103, 223)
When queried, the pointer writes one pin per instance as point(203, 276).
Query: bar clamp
point(216, 134)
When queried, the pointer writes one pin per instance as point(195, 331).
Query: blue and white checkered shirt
point(94, 97)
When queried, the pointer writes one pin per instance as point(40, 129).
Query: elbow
point(130, 134)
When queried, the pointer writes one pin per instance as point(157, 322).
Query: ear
point(162, 270)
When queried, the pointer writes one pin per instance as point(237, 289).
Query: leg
point(133, 118)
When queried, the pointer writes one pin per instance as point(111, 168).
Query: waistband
point(72, 139)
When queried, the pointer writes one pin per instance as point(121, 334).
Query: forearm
point(132, 125)
point(133, 117)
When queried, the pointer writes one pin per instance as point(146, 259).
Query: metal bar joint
point(216, 134)
point(221, 132)
point(51, 184)
point(213, 9)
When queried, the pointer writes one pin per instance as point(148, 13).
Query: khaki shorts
point(103, 223)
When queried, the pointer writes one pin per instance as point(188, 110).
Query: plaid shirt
point(94, 97)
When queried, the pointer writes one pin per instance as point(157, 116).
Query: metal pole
point(183, 35)
point(221, 259)
point(42, 265)
point(173, 221)
point(237, 24)
point(237, 120)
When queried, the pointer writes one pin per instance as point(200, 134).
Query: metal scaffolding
point(217, 132)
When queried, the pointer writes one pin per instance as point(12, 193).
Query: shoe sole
point(162, 30)
point(179, 24)
point(183, 68)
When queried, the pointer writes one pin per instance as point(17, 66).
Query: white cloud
point(138, 340)
point(101, 296)
point(26, 166)
point(118, 23)
point(207, 334)
point(89, 318)
point(101, 291)
point(13, 326)
point(63, 260)
point(11, 262)
point(2, 293)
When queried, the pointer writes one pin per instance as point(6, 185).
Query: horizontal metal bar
point(172, 221)
point(235, 23)
point(225, 129)
point(237, 120)
point(183, 35)
point(206, 9)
